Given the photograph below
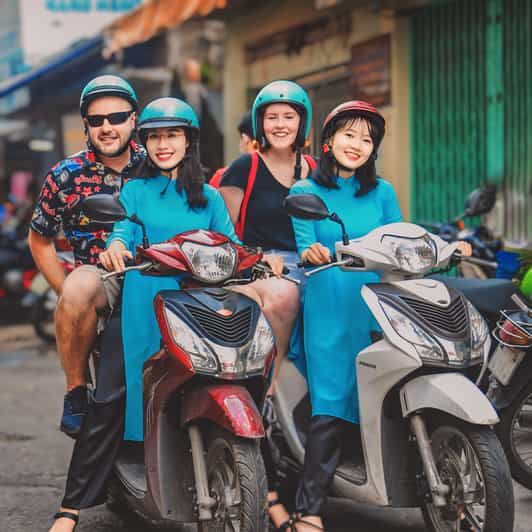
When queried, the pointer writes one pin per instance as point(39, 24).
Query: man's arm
point(45, 257)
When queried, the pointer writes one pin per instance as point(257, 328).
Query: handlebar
point(344, 262)
point(139, 267)
point(474, 260)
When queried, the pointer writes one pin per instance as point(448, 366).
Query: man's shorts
point(112, 287)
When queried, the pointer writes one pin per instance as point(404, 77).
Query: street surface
point(34, 454)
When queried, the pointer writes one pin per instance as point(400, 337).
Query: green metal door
point(471, 101)
point(448, 107)
point(518, 121)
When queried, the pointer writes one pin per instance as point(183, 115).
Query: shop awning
point(153, 16)
point(16, 82)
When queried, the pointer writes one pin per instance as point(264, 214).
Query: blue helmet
point(282, 91)
point(107, 85)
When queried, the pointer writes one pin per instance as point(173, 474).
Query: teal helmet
point(167, 112)
point(282, 91)
point(107, 85)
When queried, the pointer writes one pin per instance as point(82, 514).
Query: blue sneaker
point(74, 411)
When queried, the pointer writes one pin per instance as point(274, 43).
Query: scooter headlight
point(210, 264)
point(426, 347)
point(479, 331)
point(200, 354)
point(412, 255)
point(262, 344)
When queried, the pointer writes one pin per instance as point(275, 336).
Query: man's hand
point(275, 262)
point(113, 258)
point(316, 254)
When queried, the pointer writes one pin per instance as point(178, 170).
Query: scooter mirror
point(481, 200)
point(306, 207)
point(103, 208)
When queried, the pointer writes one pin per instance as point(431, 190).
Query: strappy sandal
point(283, 526)
point(68, 515)
point(294, 519)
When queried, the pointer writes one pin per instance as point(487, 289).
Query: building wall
point(366, 23)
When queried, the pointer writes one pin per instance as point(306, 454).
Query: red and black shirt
point(65, 187)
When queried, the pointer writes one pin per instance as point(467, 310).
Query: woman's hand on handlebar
point(113, 258)
point(316, 254)
point(275, 262)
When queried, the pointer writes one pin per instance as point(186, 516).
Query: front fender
point(231, 407)
point(451, 393)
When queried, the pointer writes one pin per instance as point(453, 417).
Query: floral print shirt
point(65, 187)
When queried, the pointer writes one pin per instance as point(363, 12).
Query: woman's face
point(352, 145)
point(166, 146)
point(281, 124)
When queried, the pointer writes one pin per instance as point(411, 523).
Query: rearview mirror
point(103, 208)
point(481, 200)
point(306, 207)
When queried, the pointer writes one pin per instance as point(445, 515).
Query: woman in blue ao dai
point(337, 323)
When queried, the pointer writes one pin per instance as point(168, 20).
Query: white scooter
point(426, 436)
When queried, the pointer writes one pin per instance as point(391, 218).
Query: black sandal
point(294, 519)
point(283, 526)
point(68, 515)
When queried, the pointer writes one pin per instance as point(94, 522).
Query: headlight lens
point(228, 362)
point(211, 264)
point(262, 344)
point(407, 329)
point(200, 354)
point(479, 331)
point(412, 255)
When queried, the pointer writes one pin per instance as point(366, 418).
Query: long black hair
point(326, 174)
point(190, 176)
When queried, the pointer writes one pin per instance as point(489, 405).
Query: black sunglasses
point(114, 118)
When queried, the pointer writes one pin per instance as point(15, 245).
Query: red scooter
point(203, 390)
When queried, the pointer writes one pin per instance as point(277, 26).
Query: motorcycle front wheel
point(237, 481)
point(471, 462)
point(515, 433)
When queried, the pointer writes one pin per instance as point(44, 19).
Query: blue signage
point(86, 6)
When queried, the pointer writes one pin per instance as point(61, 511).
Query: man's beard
point(115, 153)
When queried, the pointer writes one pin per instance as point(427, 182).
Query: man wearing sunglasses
point(108, 106)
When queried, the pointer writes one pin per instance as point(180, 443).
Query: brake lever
point(145, 266)
point(344, 262)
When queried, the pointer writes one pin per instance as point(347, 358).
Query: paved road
point(34, 454)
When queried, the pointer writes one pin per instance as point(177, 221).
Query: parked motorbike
point(484, 244)
point(510, 387)
point(40, 300)
point(203, 390)
point(425, 428)
point(17, 271)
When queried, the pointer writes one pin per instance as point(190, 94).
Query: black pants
point(98, 443)
point(322, 456)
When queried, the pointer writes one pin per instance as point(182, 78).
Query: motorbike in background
point(493, 261)
point(17, 271)
point(425, 428)
point(40, 300)
point(510, 387)
point(203, 390)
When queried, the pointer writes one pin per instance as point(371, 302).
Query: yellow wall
point(394, 157)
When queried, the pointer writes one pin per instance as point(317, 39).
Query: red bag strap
point(310, 161)
point(241, 222)
point(216, 179)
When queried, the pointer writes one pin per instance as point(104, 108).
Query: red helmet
point(354, 107)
